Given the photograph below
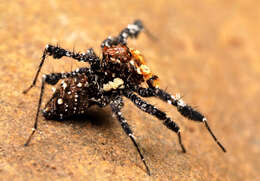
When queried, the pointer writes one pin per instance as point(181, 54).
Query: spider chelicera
point(120, 72)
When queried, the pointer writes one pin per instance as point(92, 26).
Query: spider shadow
point(97, 117)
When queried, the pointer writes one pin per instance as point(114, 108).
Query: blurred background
point(206, 50)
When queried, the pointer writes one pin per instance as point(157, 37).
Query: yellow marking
point(132, 62)
point(141, 67)
point(145, 69)
point(155, 83)
point(138, 70)
point(116, 83)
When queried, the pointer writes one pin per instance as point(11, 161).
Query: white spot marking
point(145, 69)
point(64, 85)
point(173, 97)
point(79, 84)
point(124, 34)
point(132, 28)
point(131, 135)
point(60, 101)
point(132, 62)
point(181, 103)
point(138, 70)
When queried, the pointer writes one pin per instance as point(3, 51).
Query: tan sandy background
point(207, 50)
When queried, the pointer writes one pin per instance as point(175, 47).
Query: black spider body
point(121, 71)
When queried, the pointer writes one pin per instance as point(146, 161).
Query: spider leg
point(150, 109)
point(184, 109)
point(51, 79)
point(116, 106)
point(57, 53)
point(132, 31)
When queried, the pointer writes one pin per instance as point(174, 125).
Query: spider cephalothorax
point(128, 64)
point(120, 72)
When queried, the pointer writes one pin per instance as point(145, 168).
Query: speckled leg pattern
point(150, 109)
point(57, 53)
point(116, 106)
point(132, 31)
point(184, 109)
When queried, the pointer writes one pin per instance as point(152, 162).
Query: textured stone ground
point(207, 50)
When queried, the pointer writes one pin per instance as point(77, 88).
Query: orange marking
point(142, 68)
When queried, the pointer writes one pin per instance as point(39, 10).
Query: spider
point(121, 71)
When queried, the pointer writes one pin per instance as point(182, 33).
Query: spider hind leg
point(150, 109)
point(116, 106)
point(184, 109)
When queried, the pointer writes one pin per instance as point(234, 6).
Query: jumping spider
point(120, 72)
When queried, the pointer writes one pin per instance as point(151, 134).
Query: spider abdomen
point(70, 98)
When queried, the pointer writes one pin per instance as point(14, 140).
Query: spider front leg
point(116, 106)
point(184, 109)
point(132, 31)
point(150, 109)
point(51, 79)
point(57, 53)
